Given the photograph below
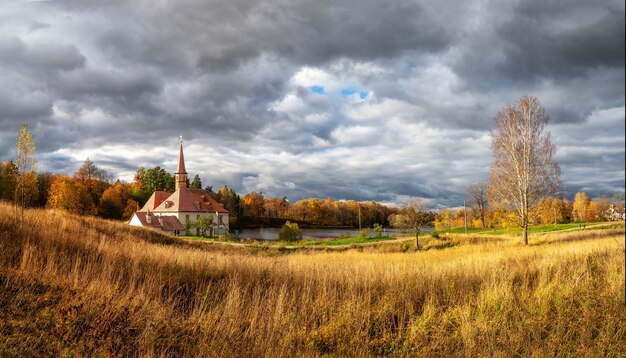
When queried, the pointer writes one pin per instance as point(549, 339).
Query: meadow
point(81, 286)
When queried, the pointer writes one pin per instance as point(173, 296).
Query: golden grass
point(82, 286)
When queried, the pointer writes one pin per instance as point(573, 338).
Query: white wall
point(193, 216)
point(134, 221)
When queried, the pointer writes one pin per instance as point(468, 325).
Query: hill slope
point(83, 286)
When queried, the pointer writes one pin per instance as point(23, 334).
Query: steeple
point(181, 172)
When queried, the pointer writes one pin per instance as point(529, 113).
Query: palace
point(178, 211)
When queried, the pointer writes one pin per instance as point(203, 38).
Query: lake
point(316, 234)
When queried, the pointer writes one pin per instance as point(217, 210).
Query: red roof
point(190, 200)
point(167, 223)
point(155, 200)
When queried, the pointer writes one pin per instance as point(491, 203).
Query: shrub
point(290, 232)
point(362, 234)
point(343, 235)
point(435, 235)
point(378, 230)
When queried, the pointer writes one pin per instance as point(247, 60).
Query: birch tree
point(25, 163)
point(524, 169)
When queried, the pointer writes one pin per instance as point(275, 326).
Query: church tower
point(181, 172)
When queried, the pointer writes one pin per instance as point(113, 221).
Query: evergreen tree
point(196, 183)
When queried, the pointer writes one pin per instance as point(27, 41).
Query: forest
point(550, 210)
point(92, 191)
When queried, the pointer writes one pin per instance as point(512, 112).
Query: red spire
point(181, 160)
point(181, 172)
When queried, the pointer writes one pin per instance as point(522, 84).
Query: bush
point(290, 232)
point(362, 234)
point(378, 230)
point(435, 235)
point(344, 235)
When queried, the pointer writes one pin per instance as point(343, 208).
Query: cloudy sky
point(356, 99)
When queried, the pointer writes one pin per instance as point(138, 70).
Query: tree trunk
point(417, 241)
point(525, 229)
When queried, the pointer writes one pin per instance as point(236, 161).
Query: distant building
point(171, 212)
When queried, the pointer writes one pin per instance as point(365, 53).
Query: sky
point(356, 99)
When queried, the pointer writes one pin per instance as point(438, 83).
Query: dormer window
point(198, 205)
point(168, 204)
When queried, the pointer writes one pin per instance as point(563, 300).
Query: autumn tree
point(479, 200)
point(111, 206)
point(89, 172)
point(594, 211)
point(139, 178)
point(231, 201)
point(276, 207)
point(29, 188)
point(131, 207)
point(443, 219)
point(8, 180)
point(44, 180)
point(94, 181)
point(413, 215)
point(580, 206)
point(550, 211)
point(524, 169)
point(611, 207)
point(64, 194)
point(254, 204)
point(26, 167)
point(138, 190)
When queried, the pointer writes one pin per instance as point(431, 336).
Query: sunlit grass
point(84, 287)
point(531, 229)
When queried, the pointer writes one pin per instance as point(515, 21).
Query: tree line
point(92, 191)
point(482, 213)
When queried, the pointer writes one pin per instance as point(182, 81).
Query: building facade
point(178, 212)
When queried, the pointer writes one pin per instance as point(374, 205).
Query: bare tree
point(479, 199)
point(413, 215)
point(524, 169)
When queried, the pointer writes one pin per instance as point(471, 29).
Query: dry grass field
point(78, 286)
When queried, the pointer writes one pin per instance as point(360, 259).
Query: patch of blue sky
point(350, 91)
point(317, 89)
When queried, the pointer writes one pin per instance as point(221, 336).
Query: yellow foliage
point(64, 194)
point(580, 206)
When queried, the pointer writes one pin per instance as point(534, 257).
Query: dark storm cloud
point(306, 32)
point(556, 39)
point(39, 55)
point(354, 100)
